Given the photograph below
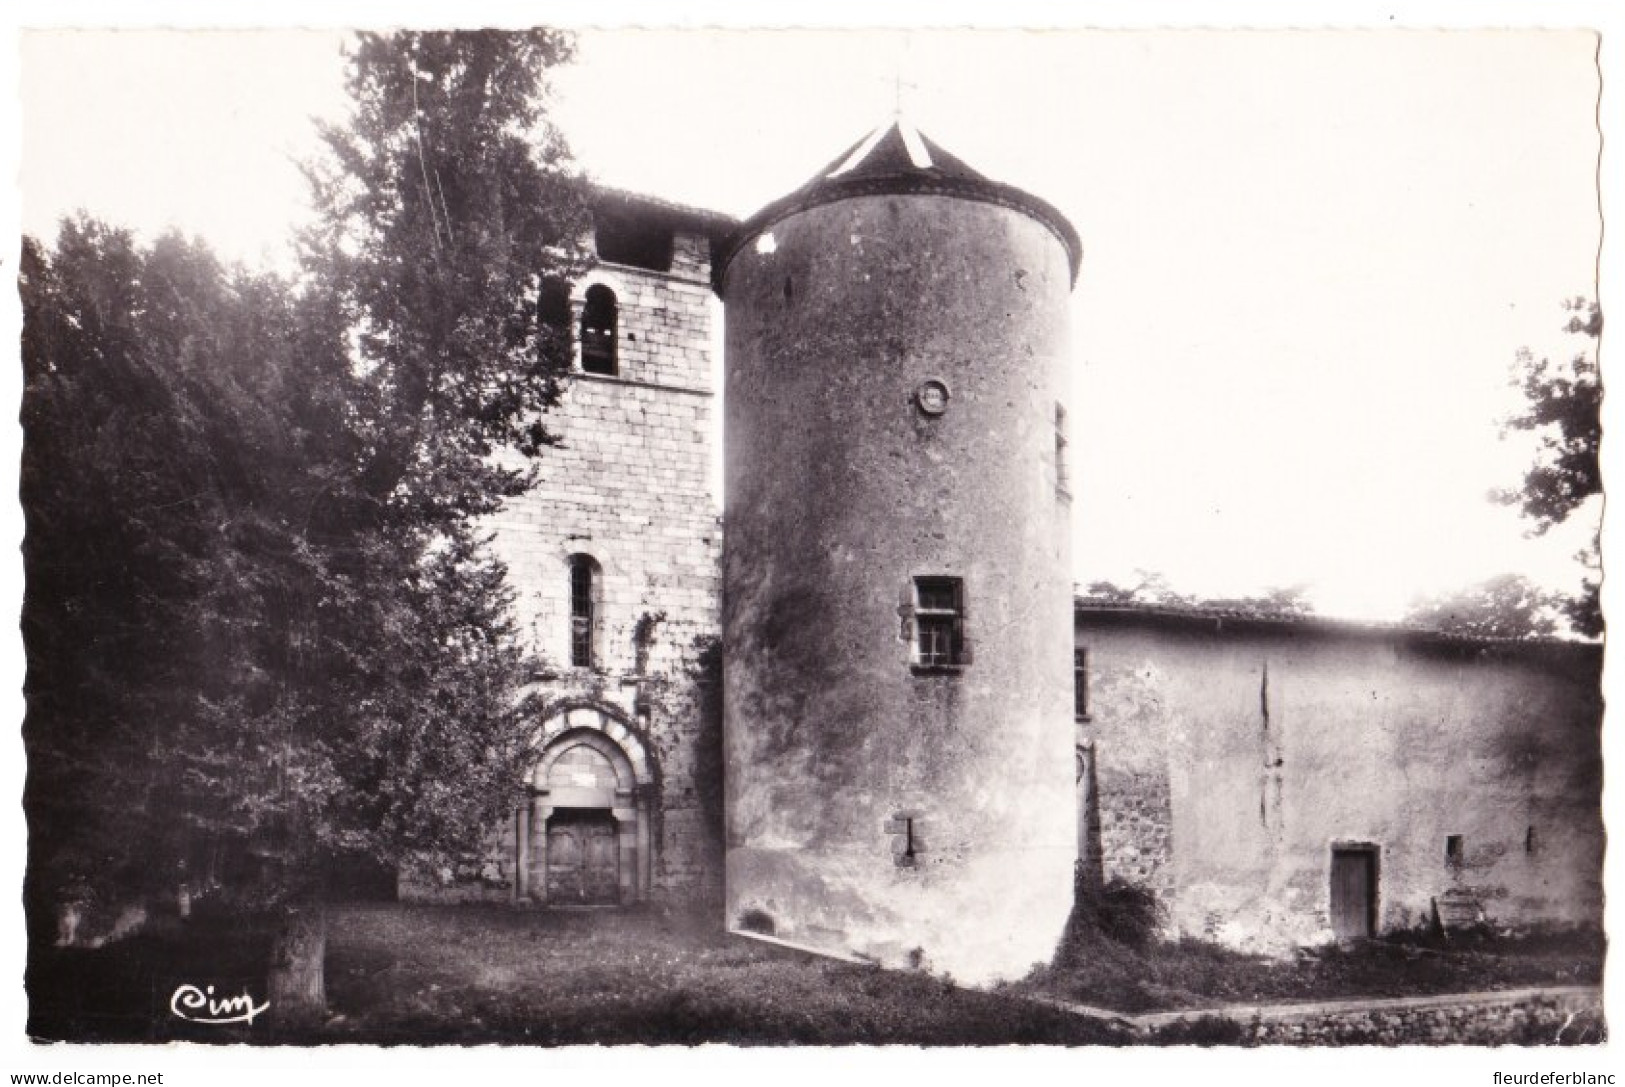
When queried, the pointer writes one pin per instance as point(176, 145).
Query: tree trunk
point(296, 983)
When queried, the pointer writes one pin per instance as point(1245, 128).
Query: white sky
point(1309, 257)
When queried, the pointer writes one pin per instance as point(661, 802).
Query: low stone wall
point(1558, 1016)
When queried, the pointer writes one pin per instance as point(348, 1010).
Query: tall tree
point(1563, 407)
point(259, 504)
point(101, 576)
point(442, 204)
point(170, 418)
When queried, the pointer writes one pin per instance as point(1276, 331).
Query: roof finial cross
point(898, 83)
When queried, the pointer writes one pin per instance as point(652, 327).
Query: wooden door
point(600, 874)
point(1354, 893)
point(583, 861)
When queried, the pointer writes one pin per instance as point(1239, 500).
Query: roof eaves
point(714, 224)
point(1304, 621)
point(916, 182)
point(884, 164)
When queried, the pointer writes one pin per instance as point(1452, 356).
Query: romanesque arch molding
point(586, 834)
point(599, 277)
point(545, 772)
point(572, 715)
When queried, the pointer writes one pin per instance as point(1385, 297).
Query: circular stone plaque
point(931, 397)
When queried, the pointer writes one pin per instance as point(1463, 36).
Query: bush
point(1122, 912)
point(1204, 1030)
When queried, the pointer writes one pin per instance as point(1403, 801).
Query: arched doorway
point(585, 837)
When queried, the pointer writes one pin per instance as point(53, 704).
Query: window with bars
point(939, 623)
point(583, 610)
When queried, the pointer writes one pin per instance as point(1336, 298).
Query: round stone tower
point(897, 592)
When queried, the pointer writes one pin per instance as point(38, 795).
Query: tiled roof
point(896, 158)
point(714, 224)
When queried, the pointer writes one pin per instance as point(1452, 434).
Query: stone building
point(897, 572)
point(615, 558)
point(1284, 781)
point(903, 782)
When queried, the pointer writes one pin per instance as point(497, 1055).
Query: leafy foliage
point(150, 475)
point(1122, 912)
point(443, 202)
point(709, 769)
point(1281, 601)
point(1152, 588)
point(263, 628)
point(1563, 406)
point(1508, 606)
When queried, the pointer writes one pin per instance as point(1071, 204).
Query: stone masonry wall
point(1468, 774)
point(630, 485)
point(1559, 1016)
point(878, 804)
point(1538, 1020)
point(1135, 824)
point(1129, 735)
point(665, 317)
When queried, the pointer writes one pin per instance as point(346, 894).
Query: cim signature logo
point(200, 1006)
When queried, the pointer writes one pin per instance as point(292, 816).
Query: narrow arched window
point(553, 319)
point(583, 610)
point(1080, 684)
point(598, 322)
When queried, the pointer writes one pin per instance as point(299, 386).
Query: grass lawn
point(641, 976)
point(471, 975)
point(1188, 974)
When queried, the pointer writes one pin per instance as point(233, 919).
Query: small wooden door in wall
point(1354, 892)
point(582, 859)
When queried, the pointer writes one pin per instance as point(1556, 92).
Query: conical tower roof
point(897, 158)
